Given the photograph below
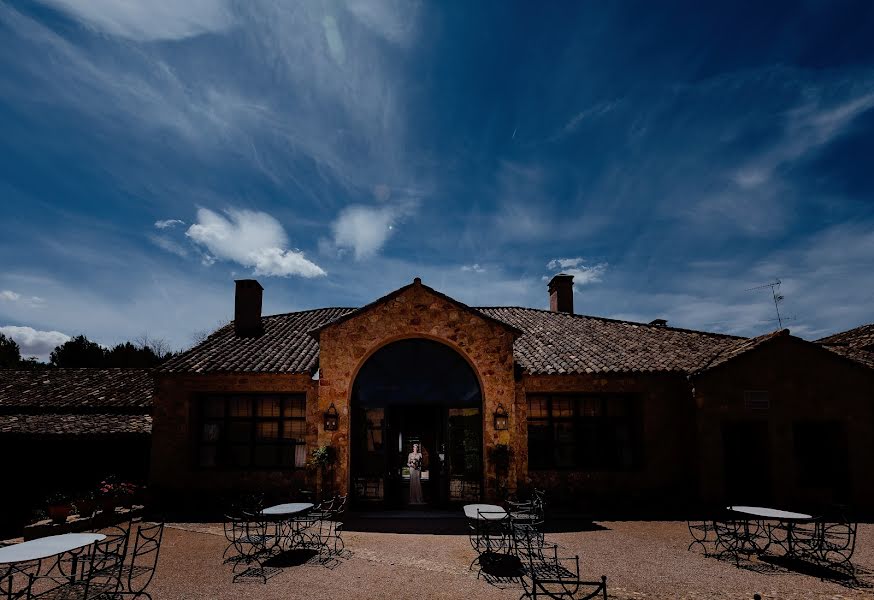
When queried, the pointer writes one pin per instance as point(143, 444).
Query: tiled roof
point(559, 343)
point(858, 337)
point(78, 424)
point(550, 343)
point(740, 346)
point(59, 390)
point(864, 357)
point(284, 347)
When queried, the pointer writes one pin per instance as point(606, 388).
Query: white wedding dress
point(415, 478)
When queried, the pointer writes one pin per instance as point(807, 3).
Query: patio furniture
point(249, 539)
point(703, 534)
point(489, 531)
point(20, 562)
point(288, 533)
point(138, 574)
point(100, 577)
point(782, 534)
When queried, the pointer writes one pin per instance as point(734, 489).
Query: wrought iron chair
point(250, 541)
point(703, 534)
point(138, 574)
point(546, 575)
point(837, 543)
point(337, 510)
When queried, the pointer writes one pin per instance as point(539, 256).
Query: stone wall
point(804, 382)
point(418, 312)
point(667, 472)
point(174, 469)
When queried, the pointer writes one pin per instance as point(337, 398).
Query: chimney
point(561, 293)
point(247, 308)
point(659, 322)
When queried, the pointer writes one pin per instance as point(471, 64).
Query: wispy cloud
point(33, 342)
point(168, 223)
point(168, 245)
point(252, 239)
point(582, 273)
point(153, 20)
point(474, 268)
point(30, 301)
point(9, 295)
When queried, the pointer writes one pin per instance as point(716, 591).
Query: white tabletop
point(484, 511)
point(770, 513)
point(286, 510)
point(48, 546)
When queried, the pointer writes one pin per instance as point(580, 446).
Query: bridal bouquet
point(416, 463)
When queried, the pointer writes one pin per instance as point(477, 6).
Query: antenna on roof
point(775, 292)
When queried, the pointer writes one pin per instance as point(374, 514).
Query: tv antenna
point(775, 292)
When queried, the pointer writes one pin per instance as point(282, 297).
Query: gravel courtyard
point(642, 559)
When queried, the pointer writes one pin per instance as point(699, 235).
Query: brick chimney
point(247, 308)
point(561, 293)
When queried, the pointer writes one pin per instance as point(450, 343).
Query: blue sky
point(669, 157)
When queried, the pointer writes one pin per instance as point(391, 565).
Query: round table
point(38, 550)
point(287, 528)
point(770, 513)
point(490, 512)
point(289, 509)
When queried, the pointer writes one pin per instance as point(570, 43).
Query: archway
point(416, 391)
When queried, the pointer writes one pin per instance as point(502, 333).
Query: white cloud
point(32, 301)
point(364, 229)
point(583, 275)
point(152, 20)
point(474, 268)
point(250, 238)
point(34, 342)
point(393, 21)
point(169, 245)
point(9, 295)
point(167, 223)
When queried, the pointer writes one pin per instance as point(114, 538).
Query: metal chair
point(137, 575)
point(837, 543)
point(546, 575)
point(703, 534)
point(250, 541)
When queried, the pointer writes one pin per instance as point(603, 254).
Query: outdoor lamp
point(502, 420)
point(332, 418)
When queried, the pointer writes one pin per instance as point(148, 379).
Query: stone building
point(66, 429)
point(601, 412)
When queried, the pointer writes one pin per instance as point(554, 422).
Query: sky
point(669, 156)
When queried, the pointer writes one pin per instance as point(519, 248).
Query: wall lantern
point(502, 420)
point(332, 418)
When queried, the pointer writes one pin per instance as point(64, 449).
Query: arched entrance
point(416, 391)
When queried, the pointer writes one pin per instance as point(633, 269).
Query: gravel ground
point(642, 559)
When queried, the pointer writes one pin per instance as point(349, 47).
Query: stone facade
point(419, 312)
point(174, 452)
point(803, 383)
point(667, 420)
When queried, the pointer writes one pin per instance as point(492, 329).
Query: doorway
point(747, 462)
point(416, 391)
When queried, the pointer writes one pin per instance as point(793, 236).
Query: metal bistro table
point(787, 522)
point(489, 533)
point(17, 558)
point(283, 515)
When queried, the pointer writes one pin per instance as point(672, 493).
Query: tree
point(10, 353)
point(78, 352)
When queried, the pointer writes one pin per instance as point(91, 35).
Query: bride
point(414, 461)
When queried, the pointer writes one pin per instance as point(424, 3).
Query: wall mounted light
point(502, 419)
point(332, 418)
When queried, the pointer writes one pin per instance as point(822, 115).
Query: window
point(589, 432)
point(254, 431)
point(757, 400)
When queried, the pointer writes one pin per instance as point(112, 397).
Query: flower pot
point(58, 513)
point(108, 503)
point(126, 500)
point(86, 507)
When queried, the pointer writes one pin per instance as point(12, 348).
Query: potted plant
point(107, 493)
point(321, 460)
point(86, 503)
point(125, 493)
point(59, 508)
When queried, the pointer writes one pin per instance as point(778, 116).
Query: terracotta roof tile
point(858, 337)
point(550, 343)
point(80, 389)
point(77, 424)
point(284, 347)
